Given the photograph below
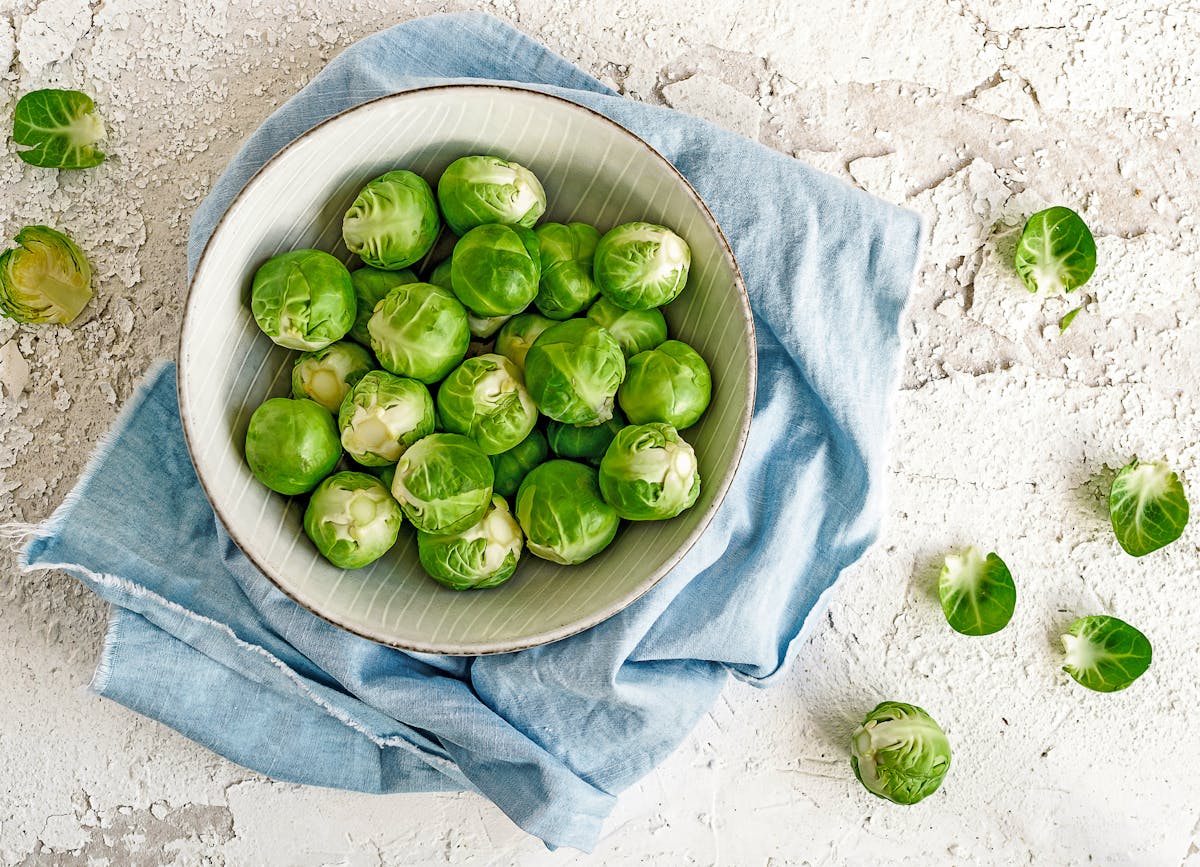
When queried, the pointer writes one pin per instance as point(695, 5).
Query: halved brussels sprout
point(635, 330)
point(670, 384)
point(482, 189)
point(584, 443)
point(327, 374)
point(518, 334)
point(382, 416)
point(480, 556)
point(511, 467)
point(292, 444)
point(494, 270)
point(649, 473)
point(303, 299)
point(485, 399)
point(371, 285)
point(443, 483)
point(573, 371)
point(393, 222)
point(420, 331)
point(640, 265)
point(61, 128)
point(900, 753)
point(46, 279)
point(562, 513)
point(566, 286)
point(352, 519)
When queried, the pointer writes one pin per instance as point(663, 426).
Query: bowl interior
point(594, 171)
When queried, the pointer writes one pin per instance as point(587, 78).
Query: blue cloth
point(204, 643)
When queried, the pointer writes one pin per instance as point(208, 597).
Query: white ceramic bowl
point(593, 170)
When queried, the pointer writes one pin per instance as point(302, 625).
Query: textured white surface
point(975, 114)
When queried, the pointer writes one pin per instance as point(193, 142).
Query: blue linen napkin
point(204, 643)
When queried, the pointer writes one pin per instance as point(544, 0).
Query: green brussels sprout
point(1056, 252)
point(483, 555)
point(562, 513)
point(484, 328)
point(1105, 653)
point(584, 443)
point(482, 189)
point(512, 466)
point(352, 519)
point(494, 270)
point(977, 593)
point(573, 371)
point(649, 473)
point(386, 475)
point(566, 286)
point(1147, 506)
point(46, 279)
point(327, 374)
point(420, 331)
point(635, 330)
point(382, 416)
point(518, 334)
point(443, 483)
point(393, 222)
point(670, 384)
point(303, 299)
point(371, 285)
point(292, 444)
point(900, 753)
point(485, 399)
point(60, 127)
point(440, 275)
point(640, 265)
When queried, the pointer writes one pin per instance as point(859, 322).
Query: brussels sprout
point(382, 416)
point(46, 279)
point(564, 518)
point(352, 519)
point(480, 556)
point(1105, 654)
point(485, 327)
point(420, 331)
point(511, 467)
point(649, 473)
point(978, 595)
point(640, 265)
point(494, 270)
point(60, 127)
point(327, 374)
point(518, 334)
point(1147, 506)
point(635, 330)
point(584, 443)
point(1056, 252)
point(566, 286)
point(292, 444)
point(440, 275)
point(485, 399)
point(371, 285)
point(393, 222)
point(386, 475)
point(303, 299)
point(573, 371)
point(443, 483)
point(670, 384)
point(482, 189)
point(900, 753)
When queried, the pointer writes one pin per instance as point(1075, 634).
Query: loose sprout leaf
point(900, 753)
point(1065, 322)
point(1056, 252)
point(61, 129)
point(978, 594)
point(1148, 507)
point(1105, 654)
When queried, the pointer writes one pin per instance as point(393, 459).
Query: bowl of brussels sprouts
point(466, 369)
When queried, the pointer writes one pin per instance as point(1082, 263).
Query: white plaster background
point(975, 114)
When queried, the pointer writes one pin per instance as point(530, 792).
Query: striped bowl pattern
point(593, 170)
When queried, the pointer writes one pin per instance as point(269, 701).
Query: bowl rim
point(550, 635)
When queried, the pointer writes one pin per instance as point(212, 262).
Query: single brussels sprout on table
point(573, 371)
point(60, 128)
point(649, 473)
point(1056, 252)
point(670, 384)
point(494, 270)
point(483, 555)
point(635, 330)
point(566, 286)
point(900, 753)
point(371, 285)
point(512, 466)
point(393, 222)
point(326, 375)
point(443, 483)
point(382, 416)
point(303, 299)
point(477, 190)
point(640, 265)
point(579, 443)
point(518, 334)
point(292, 444)
point(1104, 653)
point(420, 331)
point(1147, 506)
point(562, 513)
point(485, 399)
point(45, 279)
point(977, 593)
point(352, 519)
